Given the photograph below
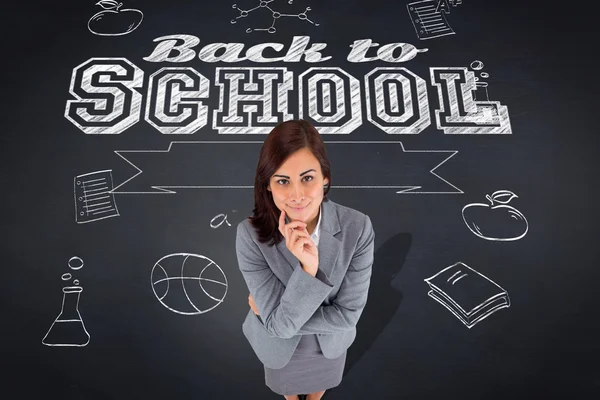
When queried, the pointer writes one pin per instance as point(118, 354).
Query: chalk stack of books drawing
point(467, 294)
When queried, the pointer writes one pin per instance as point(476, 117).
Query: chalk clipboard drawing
point(428, 19)
point(467, 294)
point(94, 199)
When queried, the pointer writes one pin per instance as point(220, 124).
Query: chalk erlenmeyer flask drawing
point(68, 328)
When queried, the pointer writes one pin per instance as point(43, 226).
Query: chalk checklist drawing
point(94, 199)
point(429, 19)
point(466, 293)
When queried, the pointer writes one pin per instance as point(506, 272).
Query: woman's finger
point(282, 221)
point(296, 234)
point(303, 242)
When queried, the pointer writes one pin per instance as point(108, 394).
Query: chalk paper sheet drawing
point(114, 21)
point(276, 15)
point(94, 199)
point(68, 328)
point(467, 294)
point(427, 21)
point(496, 221)
point(188, 284)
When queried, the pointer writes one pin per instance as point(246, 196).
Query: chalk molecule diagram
point(275, 14)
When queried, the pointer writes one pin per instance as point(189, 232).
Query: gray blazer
point(292, 302)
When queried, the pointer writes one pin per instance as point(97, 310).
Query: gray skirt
point(308, 370)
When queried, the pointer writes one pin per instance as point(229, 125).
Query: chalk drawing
point(429, 19)
point(464, 104)
point(467, 294)
point(275, 14)
point(93, 197)
point(188, 284)
point(224, 219)
point(112, 21)
point(496, 221)
point(68, 328)
point(332, 146)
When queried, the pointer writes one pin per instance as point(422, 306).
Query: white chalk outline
point(115, 11)
point(113, 208)
point(164, 189)
point(440, 292)
point(493, 199)
point(275, 14)
point(220, 223)
point(414, 8)
point(182, 278)
point(66, 290)
point(472, 106)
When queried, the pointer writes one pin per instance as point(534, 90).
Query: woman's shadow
point(383, 300)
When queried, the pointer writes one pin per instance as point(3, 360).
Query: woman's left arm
point(344, 312)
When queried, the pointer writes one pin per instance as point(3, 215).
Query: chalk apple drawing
point(114, 22)
point(497, 220)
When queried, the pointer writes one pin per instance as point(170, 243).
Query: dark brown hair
point(285, 139)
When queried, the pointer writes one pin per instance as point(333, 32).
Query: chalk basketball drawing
point(113, 21)
point(497, 220)
point(188, 284)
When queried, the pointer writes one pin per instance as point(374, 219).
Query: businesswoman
point(307, 263)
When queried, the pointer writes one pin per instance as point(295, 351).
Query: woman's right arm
point(283, 309)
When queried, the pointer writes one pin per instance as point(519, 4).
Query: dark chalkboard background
point(408, 346)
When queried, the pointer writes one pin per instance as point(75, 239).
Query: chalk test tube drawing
point(481, 93)
point(466, 109)
point(496, 221)
point(112, 21)
point(275, 14)
point(223, 219)
point(93, 197)
point(188, 284)
point(201, 156)
point(68, 328)
point(428, 18)
point(466, 293)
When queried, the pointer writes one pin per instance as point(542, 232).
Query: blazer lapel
point(329, 246)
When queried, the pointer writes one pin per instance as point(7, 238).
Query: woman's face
point(299, 183)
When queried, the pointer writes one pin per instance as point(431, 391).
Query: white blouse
point(315, 235)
